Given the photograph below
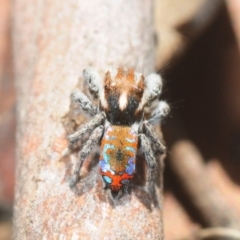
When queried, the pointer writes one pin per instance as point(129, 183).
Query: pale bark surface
point(53, 42)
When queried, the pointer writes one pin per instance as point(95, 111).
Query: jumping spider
point(118, 123)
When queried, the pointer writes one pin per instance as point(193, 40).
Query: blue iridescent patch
point(130, 140)
point(130, 149)
point(130, 169)
point(107, 179)
point(104, 166)
point(104, 153)
point(107, 137)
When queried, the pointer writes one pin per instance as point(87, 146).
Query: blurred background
point(198, 55)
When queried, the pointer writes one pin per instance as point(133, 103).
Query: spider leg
point(149, 156)
point(94, 81)
point(88, 127)
point(96, 121)
point(153, 137)
point(158, 114)
point(86, 149)
point(84, 102)
point(153, 89)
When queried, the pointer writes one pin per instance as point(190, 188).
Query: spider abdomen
point(118, 156)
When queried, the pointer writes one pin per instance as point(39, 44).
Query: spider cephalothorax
point(123, 91)
point(119, 125)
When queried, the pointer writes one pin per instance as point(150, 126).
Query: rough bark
point(53, 42)
point(7, 110)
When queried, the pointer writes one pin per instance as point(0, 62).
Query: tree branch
point(53, 42)
point(188, 164)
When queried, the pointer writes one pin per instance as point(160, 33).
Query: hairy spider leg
point(161, 111)
point(153, 88)
point(88, 127)
point(157, 115)
point(86, 149)
point(149, 155)
point(150, 158)
point(152, 136)
point(84, 102)
point(95, 83)
point(96, 121)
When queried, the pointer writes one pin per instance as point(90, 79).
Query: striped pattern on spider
point(119, 124)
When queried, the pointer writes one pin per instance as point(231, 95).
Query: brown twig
point(233, 9)
point(188, 164)
point(178, 24)
point(53, 42)
point(218, 233)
